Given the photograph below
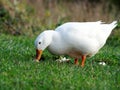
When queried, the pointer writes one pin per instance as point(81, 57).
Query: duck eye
point(39, 42)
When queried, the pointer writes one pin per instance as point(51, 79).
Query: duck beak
point(38, 54)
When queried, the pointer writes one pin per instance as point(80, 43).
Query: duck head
point(42, 42)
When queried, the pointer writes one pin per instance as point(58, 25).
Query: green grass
point(18, 71)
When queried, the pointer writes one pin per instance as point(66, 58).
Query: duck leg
point(76, 61)
point(83, 60)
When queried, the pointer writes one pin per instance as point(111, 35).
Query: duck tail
point(113, 24)
point(108, 28)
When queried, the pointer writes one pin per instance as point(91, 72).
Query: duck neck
point(50, 34)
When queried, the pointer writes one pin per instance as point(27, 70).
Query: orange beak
point(38, 54)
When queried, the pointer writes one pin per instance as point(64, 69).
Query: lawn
point(19, 71)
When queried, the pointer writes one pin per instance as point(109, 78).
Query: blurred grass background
point(30, 17)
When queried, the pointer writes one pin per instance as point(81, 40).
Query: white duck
point(76, 39)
